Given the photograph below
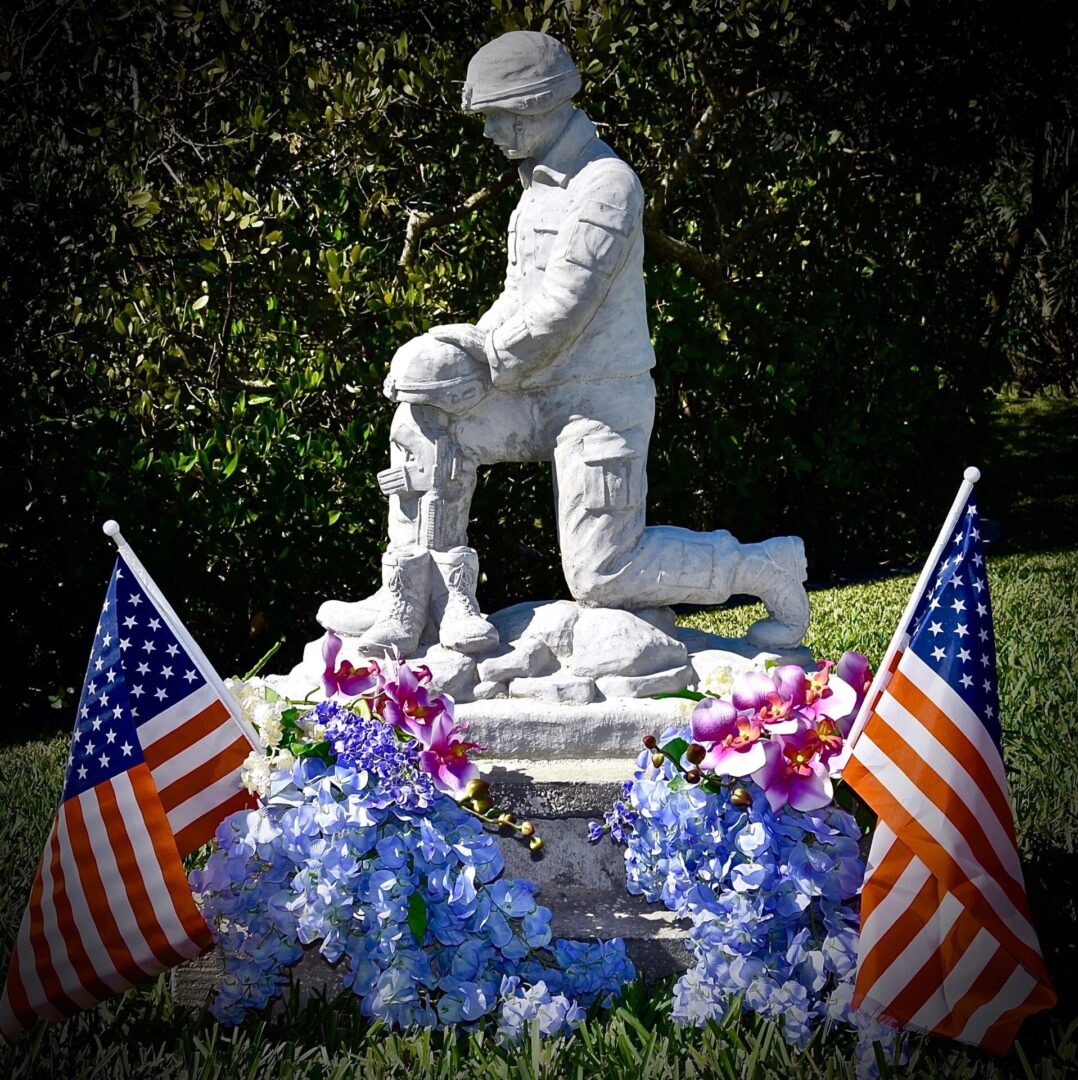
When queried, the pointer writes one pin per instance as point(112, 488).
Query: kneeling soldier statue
point(558, 368)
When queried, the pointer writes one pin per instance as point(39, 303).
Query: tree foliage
point(205, 211)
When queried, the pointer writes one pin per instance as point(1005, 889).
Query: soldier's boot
point(406, 585)
point(775, 571)
point(353, 617)
point(461, 626)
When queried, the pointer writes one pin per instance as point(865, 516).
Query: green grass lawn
point(1034, 582)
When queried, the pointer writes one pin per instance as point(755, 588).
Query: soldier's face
point(507, 131)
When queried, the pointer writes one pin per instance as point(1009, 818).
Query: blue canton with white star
point(951, 630)
point(137, 669)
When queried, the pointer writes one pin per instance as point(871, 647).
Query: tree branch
point(705, 269)
point(419, 221)
point(657, 203)
point(1041, 205)
point(708, 270)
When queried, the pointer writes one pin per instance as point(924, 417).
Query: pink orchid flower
point(822, 694)
point(736, 748)
point(853, 668)
point(793, 773)
point(407, 704)
point(772, 697)
point(828, 737)
point(347, 680)
point(445, 756)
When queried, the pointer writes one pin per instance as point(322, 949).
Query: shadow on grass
point(1052, 886)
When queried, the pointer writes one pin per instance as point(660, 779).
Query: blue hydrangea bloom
point(771, 896)
point(399, 884)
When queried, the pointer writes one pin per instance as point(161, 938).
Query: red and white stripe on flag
point(947, 941)
point(195, 751)
point(110, 905)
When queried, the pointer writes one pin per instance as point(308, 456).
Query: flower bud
point(741, 796)
point(527, 829)
point(650, 742)
point(477, 789)
point(535, 843)
point(506, 819)
point(657, 760)
point(695, 753)
point(481, 805)
point(693, 775)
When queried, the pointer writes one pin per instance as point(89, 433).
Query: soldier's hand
point(404, 479)
point(465, 336)
point(394, 481)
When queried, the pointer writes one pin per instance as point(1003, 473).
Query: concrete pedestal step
point(655, 940)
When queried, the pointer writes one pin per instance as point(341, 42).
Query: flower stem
point(264, 661)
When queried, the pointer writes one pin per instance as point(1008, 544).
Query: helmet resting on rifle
point(431, 371)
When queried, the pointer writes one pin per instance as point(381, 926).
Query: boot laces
point(462, 590)
point(396, 590)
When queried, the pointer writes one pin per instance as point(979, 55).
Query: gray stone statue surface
point(558, 369)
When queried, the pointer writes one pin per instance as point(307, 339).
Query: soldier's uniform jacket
point(573, 307)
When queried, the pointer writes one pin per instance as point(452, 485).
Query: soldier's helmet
point(522, 72)
point(427, 371)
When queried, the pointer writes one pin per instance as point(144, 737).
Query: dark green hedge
point(204, 207)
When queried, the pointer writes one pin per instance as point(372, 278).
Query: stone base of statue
point(559, 652)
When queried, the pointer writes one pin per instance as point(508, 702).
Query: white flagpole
point(898, 640)
point(112, 528)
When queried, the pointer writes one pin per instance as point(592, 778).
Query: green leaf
point(417, 916)
point(230, 466)
point(200, 303)
point(675, 749)
point(688, 695)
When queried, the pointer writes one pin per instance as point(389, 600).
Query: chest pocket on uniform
point(545, 232)
point(613, 470)
point(599, 236)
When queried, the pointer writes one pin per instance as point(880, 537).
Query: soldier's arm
point(590, 248)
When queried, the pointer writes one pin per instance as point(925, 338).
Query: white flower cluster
point(265, 717)
point(256, 770)
point(718, 682)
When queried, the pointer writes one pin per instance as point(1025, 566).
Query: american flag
point(947, 941)
point(153, 768)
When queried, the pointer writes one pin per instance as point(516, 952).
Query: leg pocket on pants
point(613, 472)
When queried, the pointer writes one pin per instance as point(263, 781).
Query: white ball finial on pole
point(972, 474)
point(111, 528)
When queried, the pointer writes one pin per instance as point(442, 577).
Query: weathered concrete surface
point(643, 686)
point(535, 731)
point(582, 788)
point(559, 688)
point(527, 657)
point(550, 621)
point(193, 983)
point(609, 642)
